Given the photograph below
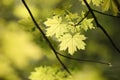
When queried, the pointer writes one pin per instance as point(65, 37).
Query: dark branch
point(105, 13)
point(68, 14)
point(83, 60)
point(50, 45)
point(82, 19)
point(99, 25)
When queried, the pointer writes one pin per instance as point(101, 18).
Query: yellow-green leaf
point(87, 24)
point(72, 42)
point(114, 8)
point(55, 26)
point(106, 5)
point(109, 4)
point(95, 2)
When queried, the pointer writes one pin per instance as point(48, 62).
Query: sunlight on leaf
point(72, 42)
point(49, 73)
point(94, 2)
point(109, 4)
point(106, 5)
point(97, 2)
point(114, 8)
point(87, 24)
point(67, 32)
point(56, 27)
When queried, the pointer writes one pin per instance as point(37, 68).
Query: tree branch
point(50, 45)
point(105, 13)
point(82, 19)
point(83, 60)
point(99, 25)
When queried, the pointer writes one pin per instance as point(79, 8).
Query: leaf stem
point(82, 19)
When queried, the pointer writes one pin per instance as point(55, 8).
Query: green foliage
point(94, 2)
point(22, 47)
point(49, 73)
point(72, 42)
point(56, 27)
point(105, 5)
point(110, 4)
point(68, 31)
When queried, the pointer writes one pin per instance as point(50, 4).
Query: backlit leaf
point(114, 8)
point(94, 2)
point(55, 26)
point(72, 42)
point(49, 73)
point(110, 4)
point(87, 24)
point(106, 5)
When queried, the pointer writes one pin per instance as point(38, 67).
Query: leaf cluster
point(49, 73)
point(105, 5)
point(68, 31)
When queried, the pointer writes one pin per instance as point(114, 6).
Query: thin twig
point(85, 60)
point(82, 19)
point(99, 25)
point(50, 45)
point(105, 13)
point(68, 12)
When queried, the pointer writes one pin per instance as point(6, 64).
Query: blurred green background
point(22, 47)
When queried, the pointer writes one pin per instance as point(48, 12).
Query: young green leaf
point(87, 1)
point(72, 42)
point(55, 26)
point(49, 73)
point(67, 30)
point(109, 4)
point(114, 8)
point(87, 24)
point(106, 5)
point(97, 2)
point(94, 2)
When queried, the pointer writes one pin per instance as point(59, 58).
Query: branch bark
point(51, 46)
point(47, 40)
point(100, 26)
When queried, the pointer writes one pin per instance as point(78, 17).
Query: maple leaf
point(110, 4)
point(49, 73)
point(72, 42)
point(114, 8)
point(95, 2)
point(106, 5)
point(55, 26)
point(72, 16)
point(87, 24)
